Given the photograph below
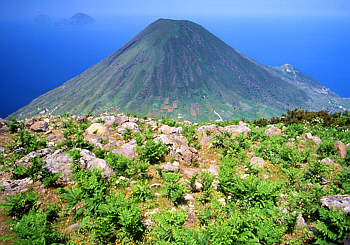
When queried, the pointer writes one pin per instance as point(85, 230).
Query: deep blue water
point(36, 58)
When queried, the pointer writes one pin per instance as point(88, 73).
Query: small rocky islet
point(124, 179)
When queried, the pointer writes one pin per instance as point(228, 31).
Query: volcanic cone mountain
point(176, 68)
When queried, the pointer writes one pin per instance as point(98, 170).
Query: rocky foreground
point(123, 179)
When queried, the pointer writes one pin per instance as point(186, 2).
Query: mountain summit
point(176, 68)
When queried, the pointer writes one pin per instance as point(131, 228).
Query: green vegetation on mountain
point(177, 69)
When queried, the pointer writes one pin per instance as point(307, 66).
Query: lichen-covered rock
point(26, 160)
point(165, 129)
point(3, 127)
point(172, 140)
point(337, 202)
point(19, 185)
point(315, 139)
point(169, 168)
point(329, 162)
point(59, 162)
point(121, 118)
point(130, 125)
point(340, 148)
point(273, 131)
point(97, 129)
point(236, 129)
point(205, 134)
point(90, 161)
point(258, 162)
point(40, 126)
point(55, 138)
point(300, 222)
point(126, 150)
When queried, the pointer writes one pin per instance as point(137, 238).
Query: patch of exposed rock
point(97, 129)
point(59, 162)
point(26, 160)
point(315, 139)
point(340, 148)
point(330, 162)
point(90, 161)
point(55, 138)
point(3, 127)
point(129, 125)
point(337, 202)
point(179, 148)
point(165, 129)
point(19, 185)
point(272, 130)
point(127, 150)
point(204, 138)
point(236, 129)
point(169, 168)
point(95, 139)
point(40, 126)
point(258, 162)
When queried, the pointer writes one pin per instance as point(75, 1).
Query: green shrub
point(326, 149)
point(294, 130)
point(117, 218)
point(35, 169)
point(141, 191)
point(49, 179)
point(253, 226)
point(119, 163)
point(13, 125)
point(193, 181)
point(251, 189)
point(19, 204)
point(28, 141)
point(139, 139)
point(332, 226)
point(189, 131)
point(169, 122)
point(207, 179)
point(19, 172)
point(71, 196)
point(74, 135)
point(170, 227)
point(154, 152)
point(173, 188)
point(127, 134)
point(34, 228)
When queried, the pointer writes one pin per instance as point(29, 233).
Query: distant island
point(77, 19)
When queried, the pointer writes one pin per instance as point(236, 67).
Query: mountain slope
point(179, 69)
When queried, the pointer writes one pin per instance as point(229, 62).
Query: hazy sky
point(19, 9)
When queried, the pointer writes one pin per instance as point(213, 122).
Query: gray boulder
point(236, 129)
point(315, 139)
point(169, 168)
point(258, 162)
point(59, 162)
point(40, 126)
point(126, 150)
point(340, 148)
point(165, 129)
point(90, 161)
point(337, 202)
point(272, 130)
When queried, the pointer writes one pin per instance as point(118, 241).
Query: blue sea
point(37, 57)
